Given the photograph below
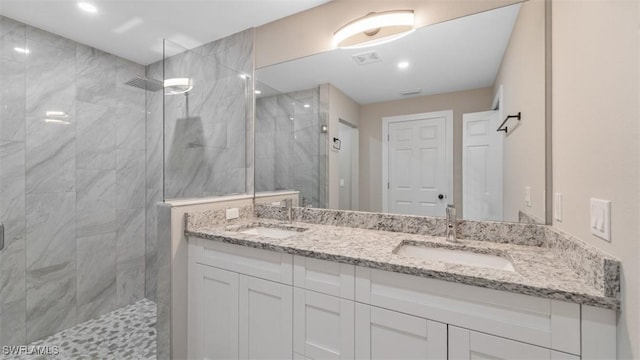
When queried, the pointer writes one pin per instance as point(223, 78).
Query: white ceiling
point(135, 29)
point(456, 55)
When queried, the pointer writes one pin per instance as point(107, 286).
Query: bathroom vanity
point(263, 288)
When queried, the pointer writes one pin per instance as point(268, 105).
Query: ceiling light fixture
point(57, 121)
point(21, 50)
point(307, 106)
point(374, 29)
point(90, 8)
point(258, 92)
point(403, 64)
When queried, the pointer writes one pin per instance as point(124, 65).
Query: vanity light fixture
point(177, 86)
point(90, 8)
point(374, 29)
point(21, 50)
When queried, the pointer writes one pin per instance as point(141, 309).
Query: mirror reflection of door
point(417, 167)
point(482, 164)
point(348, 166)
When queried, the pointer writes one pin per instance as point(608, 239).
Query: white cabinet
point(385, 334)
point(213, 314)
point(466, 345)
point(323, 325)
point(265, 319)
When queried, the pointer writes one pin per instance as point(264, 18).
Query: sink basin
point(270, 232)
point(460, 256)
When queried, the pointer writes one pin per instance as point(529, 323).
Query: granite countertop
point(538, 270)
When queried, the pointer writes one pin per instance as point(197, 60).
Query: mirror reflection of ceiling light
point(177, 86)
point(21, 50)
point(90, 8)
point(403, 64)
point(375, 29)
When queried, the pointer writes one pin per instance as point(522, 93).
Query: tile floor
point(126, 333)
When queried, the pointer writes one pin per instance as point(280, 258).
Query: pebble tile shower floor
point(125, 333)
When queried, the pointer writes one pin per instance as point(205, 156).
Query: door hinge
point(388, 186)
point(388, 137)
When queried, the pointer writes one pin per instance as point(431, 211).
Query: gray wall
point(71, 195)
point(205, 142)
point(290, 148)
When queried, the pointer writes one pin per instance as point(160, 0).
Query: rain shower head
point(145, 84)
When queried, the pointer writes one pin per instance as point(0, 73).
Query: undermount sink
point(458, 256)
point(272, 231)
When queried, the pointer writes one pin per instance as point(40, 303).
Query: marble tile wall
point(205, 144)
point(290, 148)
point(72, 187)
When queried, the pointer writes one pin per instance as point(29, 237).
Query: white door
point(266, 319)
point(417, 166)
point(323, 325)
point(466, 345)
point(345, 167)
point(385, 334)
point(213, 314)
point(481, 166)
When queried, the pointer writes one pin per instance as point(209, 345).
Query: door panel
point(417, 166)
point(466, 345)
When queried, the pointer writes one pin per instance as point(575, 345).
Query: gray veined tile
point(96, 269)
point(130, 119)
point(96, 136)
point(130, 179)
point(12, 35)
point(96, 202)
point(12, 181)
point(51, 299)
point(127, 70)
point(12, 100)
point(50, 137)
point(12, 263)
point(130, 256)
point(51, 229)
point(96, 75)
point(37, 37)
point(13, 325)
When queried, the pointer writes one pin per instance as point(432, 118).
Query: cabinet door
point(213, 313)
point(466, 344)
point(323, 325)
point(266, 319)
point(385, 334)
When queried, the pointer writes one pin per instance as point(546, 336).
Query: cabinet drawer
point(264, 264)
point(542, 322)
point(325, 277)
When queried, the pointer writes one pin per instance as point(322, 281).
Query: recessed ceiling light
point(258, 92)
point(90, 8)
point(307, 105)
point(21, 50)
point(403, 64)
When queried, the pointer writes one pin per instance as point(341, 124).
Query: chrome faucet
point(288, 204)
point(451, 224)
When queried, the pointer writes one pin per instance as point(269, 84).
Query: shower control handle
point(1, 236)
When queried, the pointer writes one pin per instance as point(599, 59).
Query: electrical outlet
point(527, 196)
point(233, 213)
point(600, 223)
point(557, 206)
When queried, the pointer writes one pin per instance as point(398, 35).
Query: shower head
point(145, 84)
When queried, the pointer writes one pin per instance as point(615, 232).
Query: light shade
point(177, 86)
point(374, 29)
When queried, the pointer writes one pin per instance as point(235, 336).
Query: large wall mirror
point(411, 126)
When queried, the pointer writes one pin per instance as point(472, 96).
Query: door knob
point(441, 196)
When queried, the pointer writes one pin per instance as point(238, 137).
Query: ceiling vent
point(367, 58)
point(411, 92)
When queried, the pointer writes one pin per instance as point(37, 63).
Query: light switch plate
point(557, 206)
point(527, 196)
point(233, 213)
point(600, 221)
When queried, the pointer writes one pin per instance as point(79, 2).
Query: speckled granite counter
point(539, 270)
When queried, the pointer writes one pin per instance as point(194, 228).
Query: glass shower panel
point(291, 143)
point(205, 115)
